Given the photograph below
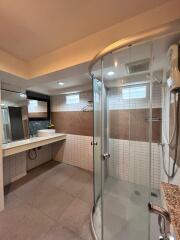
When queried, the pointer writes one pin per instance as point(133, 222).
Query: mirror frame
point(40, 97)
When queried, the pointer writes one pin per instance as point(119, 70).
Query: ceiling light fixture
point(110, 73)
point(61, 83)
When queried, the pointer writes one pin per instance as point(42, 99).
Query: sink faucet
point(164, 221)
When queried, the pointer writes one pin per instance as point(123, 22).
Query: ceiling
point(33, 28)
point(71, 84)
point(77, 78)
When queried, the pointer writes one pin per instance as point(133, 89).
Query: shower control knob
point(106, 156)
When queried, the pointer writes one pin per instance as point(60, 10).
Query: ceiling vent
point(138, 66)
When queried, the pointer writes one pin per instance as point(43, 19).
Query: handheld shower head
point(174, 68)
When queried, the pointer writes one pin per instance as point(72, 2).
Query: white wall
point(58, 103)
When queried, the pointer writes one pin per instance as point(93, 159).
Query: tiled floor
point(125, 212)
point(52, 205)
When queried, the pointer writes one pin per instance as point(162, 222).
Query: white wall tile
point(58, 103)
point(115, 100)
point(129, 161)
point(77, 152)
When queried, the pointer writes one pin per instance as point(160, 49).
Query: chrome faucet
point(164, 221)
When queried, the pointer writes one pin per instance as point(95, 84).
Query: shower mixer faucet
point(164, 221)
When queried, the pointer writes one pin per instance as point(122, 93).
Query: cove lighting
point(111, 73)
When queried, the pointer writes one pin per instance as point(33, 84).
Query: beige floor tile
point(60, 233)
point(85, 231)
point(46, 207)
point(55, 203)
point(86, 194)
point(75, 215)
point(77, 182)
point(23, 222)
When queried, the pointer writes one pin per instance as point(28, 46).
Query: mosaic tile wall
point(34, 126)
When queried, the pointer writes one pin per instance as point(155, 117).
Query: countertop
point(26, 144)
point(172, 201)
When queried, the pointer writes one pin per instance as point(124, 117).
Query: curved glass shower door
point(122, 130)
point(97, 145)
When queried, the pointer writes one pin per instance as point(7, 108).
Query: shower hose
point(174, 138)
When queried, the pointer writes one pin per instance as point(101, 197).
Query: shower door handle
point(106, 156)
point(94, 143)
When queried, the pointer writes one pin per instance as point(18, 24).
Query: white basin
point(46, 132)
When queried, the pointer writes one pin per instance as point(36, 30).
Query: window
point(134, 92)
point(72, 99)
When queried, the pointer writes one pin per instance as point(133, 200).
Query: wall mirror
point(37, 109)
point(38, 106)
point(14, 114)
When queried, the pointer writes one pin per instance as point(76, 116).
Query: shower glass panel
point(126, 191)
point(97, 149)
point(97, 136)
point(123, 134)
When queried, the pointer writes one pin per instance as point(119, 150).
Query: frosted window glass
point(72, 99)
point(134, 92)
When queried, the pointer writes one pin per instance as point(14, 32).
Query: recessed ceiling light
point(61, 83)
point(23, 95)
point(111, 73)
point(116, 63)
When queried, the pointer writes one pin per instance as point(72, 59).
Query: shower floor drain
point(137, 192)
point(153, 194)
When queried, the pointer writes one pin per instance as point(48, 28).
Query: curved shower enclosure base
point(93, 231)
point(122, 221)
point(127, 119)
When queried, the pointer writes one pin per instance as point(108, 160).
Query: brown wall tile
point(124, 124)
point(133, 124)
point(76, 122)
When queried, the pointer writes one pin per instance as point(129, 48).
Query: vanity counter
point(27, 144)
point(171, 195)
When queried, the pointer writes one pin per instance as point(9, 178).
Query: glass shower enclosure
point(127, 133)
point(122, 142)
